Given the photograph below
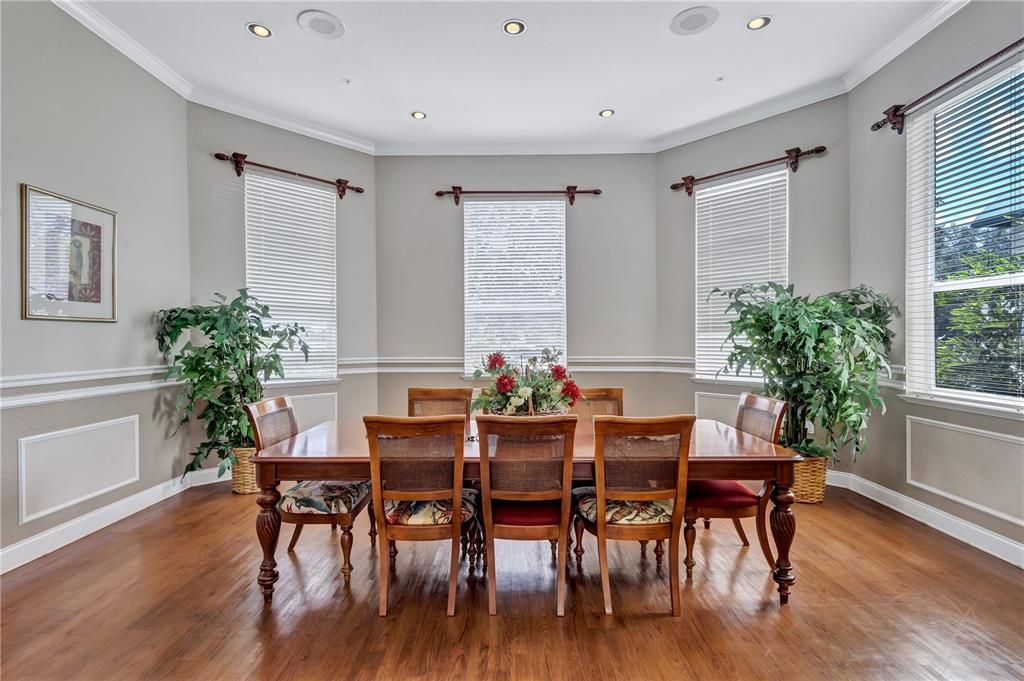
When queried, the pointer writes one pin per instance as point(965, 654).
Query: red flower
point(495, 360)
point(505, 384)
point(572, 391)
point(558, 372)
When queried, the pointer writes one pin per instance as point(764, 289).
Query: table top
point(711, 441)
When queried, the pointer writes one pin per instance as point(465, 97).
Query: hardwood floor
point(171, 593)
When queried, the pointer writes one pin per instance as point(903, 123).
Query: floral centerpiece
point(538, 386)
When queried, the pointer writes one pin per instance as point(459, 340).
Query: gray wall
point(818, 209)
point(877, 252)
point(81, 120)
point(610, 241)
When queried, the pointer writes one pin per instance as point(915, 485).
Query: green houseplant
point(238, 352)
point(822, 355)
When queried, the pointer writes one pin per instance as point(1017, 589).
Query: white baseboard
point(50, 540)
point(958, 528)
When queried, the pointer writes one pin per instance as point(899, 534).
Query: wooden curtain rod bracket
point(240, 161)
point(791, 159)
point(571, 191)
point(895, 115)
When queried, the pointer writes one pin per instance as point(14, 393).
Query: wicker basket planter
point(243, 473)
point(809, 480)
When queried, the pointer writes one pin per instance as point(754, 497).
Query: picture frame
point(68, 258)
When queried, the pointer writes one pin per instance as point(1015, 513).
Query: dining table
point(335, 451)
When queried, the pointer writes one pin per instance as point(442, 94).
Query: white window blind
point(514, 271)
point(965, 244)
point(290, 264)
point(742, 238)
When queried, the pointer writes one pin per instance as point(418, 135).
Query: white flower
point(525, 392)
point(516, 401)
point(509, 409)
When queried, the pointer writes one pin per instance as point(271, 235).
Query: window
point(290, 264)
point(742, 238)
point(965, 245)
point(514, 272)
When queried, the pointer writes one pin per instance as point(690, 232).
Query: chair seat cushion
point(719, 494)
point(526, 513)
point(435, 512)
point(623, 511)
point(326, 497)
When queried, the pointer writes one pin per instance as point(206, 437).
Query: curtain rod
point(571, 191)
point(791, 159)
point(896, 114)
point(240, 161)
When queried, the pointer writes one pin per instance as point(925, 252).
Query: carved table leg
point(783, 530)
point(373, 526)
point(268, 529)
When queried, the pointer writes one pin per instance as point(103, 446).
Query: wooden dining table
point(329, 451)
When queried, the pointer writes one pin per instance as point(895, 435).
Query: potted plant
point(224, 371)
point(538, 386)
point(823, 356)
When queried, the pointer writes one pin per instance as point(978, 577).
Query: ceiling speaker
point(321, 24)
point(694, 20)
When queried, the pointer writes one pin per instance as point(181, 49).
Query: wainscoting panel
point(978, 468)
point(66, 467)
point(715, 406)
point(316, 408)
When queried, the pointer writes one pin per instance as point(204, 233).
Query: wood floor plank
point(170, 593)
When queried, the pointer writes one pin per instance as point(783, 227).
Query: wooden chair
point(640, 465)
point(597, 402)
point(416, 470)
point(758, 416)
point(441, 402)
point(446, 402)
point(310, 502)
point(526, 482)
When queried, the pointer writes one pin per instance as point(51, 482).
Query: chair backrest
point(526, 457)
point(272, 421)
point(441, 402)
point(761, 416)
point(597, 402)
point(416, 458)
point(641, 458)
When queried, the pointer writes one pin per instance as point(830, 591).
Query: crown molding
point(87, 15)
point(752, 114)
point(279, 120)
point(910, 35)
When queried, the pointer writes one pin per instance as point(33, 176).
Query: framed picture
point(68, 258)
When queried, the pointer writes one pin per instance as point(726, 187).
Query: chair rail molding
point(975, 432)
point(60, 377)
point(576, 364)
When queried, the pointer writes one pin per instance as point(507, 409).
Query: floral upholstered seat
point(324, 496)
point(623, 511)
point(438, 512)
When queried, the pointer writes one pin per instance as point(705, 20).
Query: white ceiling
point(485, 92)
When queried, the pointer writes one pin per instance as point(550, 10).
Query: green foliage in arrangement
point(226, 370)
point(541, 385)
point(822, 355)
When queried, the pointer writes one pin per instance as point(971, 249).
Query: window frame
point(921, 284)
point(330, 312)
point(471, 363)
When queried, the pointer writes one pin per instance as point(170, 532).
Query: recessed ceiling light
point(418, 115)
point(258, 30)
point(757, 23)
point(606, 113)
point(514, 27)
point(693, 20)
point(321, 24)
point(719, 79)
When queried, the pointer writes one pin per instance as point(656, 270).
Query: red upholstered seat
point(719, 494)
point(526, 513)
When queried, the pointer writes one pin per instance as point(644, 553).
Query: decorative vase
point(243, 473)
point(809, 480)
